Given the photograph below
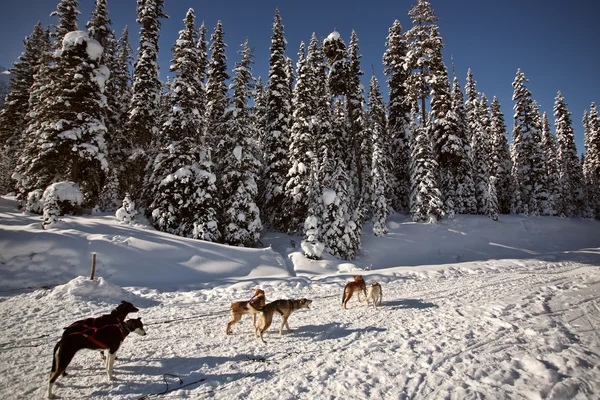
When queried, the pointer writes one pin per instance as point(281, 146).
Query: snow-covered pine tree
point(126, 214)
point(13, 121)
point(572, 194)
point(447, 140)
point(259, 111)
point(465, 189)
point(381, 160)
point(471, 105)
point(500, 160)
point(240, 219)
point(394, 59)
point(481, 155)
point(99, 26)
point(202, 53)
point(67, 12)
point(421, 45)
point(69, 135)
point(141, 125)
point(312, 245)
point(276, 139)
point(492, 206)
point(216, 96)
point(527, 154)
point(426, 199)
point(358, 139)
point(551, 158)
point(336, 52)
point(591, 165)
point(302, 150)
point(51, 211)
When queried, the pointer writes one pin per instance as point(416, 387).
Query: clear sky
point(556, 44)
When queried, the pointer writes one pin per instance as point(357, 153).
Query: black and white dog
point(117, 315)
point(108, 337)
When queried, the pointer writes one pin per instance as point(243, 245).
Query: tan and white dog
point(358, 285)
point(284, 307)
point(239, 308)
point(375, 294)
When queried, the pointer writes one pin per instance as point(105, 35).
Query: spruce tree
point(216, 95)
point(591, 165)
point(527, 155)
point(399, 116)
point(571, 180)
point(381, 161)
point(302, 151)
point(13, 115)
point(466, 202)
point(421, 45)
point(276, 139)
point(500, 160)
point(426, 199)
point(67, 12)
point(141, 125)
point(241, 217)
point(550, 151)
point(481, 155)
point(68, 138)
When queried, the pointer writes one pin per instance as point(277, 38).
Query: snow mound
point(96, 290)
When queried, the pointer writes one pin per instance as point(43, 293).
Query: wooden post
point(93, 266)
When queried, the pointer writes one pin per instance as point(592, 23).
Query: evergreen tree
point(447, 140)
point(276, 140)
point(422, 43)
point(14, 112)
point(358, 139)
point(99, 26)
point(381, 160)
point(241, 218)
point(216, 95)
point(202, 53)
point(259, 111)
point(551, 157)
point(399, 116)
point(67, 13)
point(426, 199)
point(68, 140)
point(492, 206)
point(591, 165)
point(302, 151)
point(336, 52)
point(572, 195)
point(141, 125)
point(481, 155)
point(466, 202)
point(500, 161)
point(527, 155)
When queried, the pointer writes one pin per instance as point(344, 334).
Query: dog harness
point(91, 333)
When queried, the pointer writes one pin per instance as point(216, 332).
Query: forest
point(219, 157)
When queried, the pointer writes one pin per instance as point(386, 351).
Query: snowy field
point(472, 309)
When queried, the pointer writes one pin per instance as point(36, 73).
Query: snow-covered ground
point(471, 309)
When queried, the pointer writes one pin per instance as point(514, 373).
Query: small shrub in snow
point(126, 214)
point(311, 247)
point(66, 195)
point(51, 210)
point(34, 202)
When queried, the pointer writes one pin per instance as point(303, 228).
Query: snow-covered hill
point(472, 309)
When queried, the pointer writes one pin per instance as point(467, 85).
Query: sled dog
point(285, 308)
point(117, 315)
point(375, 294)
point(108, 337)
point(357, 285)
point(239, 308)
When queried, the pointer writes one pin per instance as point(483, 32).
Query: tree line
point(216, 157)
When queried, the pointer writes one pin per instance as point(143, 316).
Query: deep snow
point(471, 309)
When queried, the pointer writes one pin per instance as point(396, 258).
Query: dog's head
point(258, 292)
point(358, 278)
point(126, 307)
point(136, 325)
point(304, 303)
point(375, 284)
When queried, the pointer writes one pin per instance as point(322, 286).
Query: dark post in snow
point(93, 266)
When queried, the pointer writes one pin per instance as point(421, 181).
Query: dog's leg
point(235, 317)
point(110, 362)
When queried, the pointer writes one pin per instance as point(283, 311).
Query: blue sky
point(556, 46)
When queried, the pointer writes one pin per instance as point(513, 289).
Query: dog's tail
point(55, 356)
